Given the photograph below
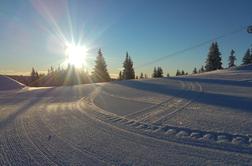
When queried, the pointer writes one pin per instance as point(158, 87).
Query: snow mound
point(7, 83)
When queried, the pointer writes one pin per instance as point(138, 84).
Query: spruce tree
point(141, 76)
point(159, 72)
point(120, 77)
point(128, 71)
point(202, 69)
point(213, 61)
point(33, 75)
point(154, 75)
point(231, 59)
point(195, 71)
point(178, 73)
point(100, 73)
point(247, 59)
point(182, 72)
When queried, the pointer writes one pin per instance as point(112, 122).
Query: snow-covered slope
point(201, 119)
point(7, 83)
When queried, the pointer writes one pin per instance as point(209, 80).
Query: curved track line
point(185, 142)
point(149, 109)
point(84, 152)
point(171, 114)
point(178, 141)
point(162, 108)
point(35, 146)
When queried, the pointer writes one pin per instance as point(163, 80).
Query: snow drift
point(7, 83)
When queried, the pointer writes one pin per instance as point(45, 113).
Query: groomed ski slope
point(203, 119)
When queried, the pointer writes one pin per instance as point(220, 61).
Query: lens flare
point(76, 55)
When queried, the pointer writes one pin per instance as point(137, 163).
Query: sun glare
point(76, 55)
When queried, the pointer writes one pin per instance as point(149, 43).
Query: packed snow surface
point(202, 119)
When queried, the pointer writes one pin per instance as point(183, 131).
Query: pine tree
point(33, 75)
point(195, 71)
point(154, 74)
point(36, 75)
point(231, 59)
point(247, 59)
point(120, 77)
point(141, 76)
point(182, 72)
point(178, 73)
point(213, 61)
point(128, 71)
point(159, 72)
point(202, 69)
point(100, 73)
point(167, 75)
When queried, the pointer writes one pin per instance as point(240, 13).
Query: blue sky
point(33, 32)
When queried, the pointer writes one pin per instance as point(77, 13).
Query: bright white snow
point(202, 119)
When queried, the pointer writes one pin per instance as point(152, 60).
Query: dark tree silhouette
point(195, 71)
point(231, 59)
point(34, 75)
point(213, 61)
point(141, 76)
point(128, 71)
point(120, 77)
point(202, 69)
point(157, 72)
point(247, 59)
point(160, 72)
point(178, 73)
point(182, 72)
point(100, 73)
point(154, 74)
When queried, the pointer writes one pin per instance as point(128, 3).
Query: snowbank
point(7, 83)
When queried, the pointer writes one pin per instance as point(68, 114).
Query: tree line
point(72, 76)
point(214, 60)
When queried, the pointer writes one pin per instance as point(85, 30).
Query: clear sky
point(33, 32)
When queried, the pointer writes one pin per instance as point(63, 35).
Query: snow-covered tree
point(213, 61)
point(100, 73)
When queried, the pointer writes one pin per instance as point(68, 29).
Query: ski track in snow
point(68, 126)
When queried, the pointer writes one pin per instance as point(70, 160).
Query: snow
point(202, 119)
point(7, 83)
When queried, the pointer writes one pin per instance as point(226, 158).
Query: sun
point(76, 55)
